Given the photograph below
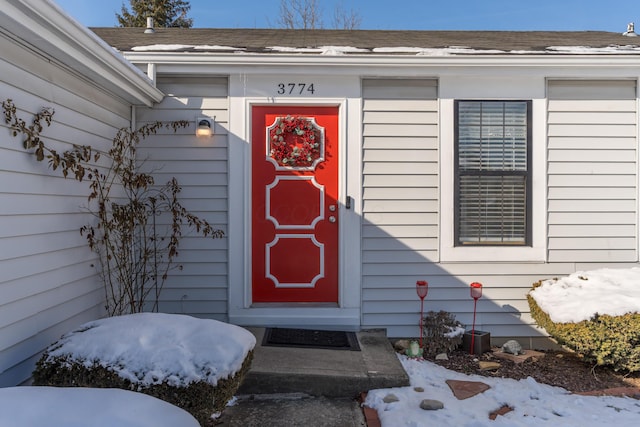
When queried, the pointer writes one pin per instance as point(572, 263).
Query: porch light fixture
point(204, 126)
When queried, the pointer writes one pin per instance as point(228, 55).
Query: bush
point(195, 364)
point(604, 340)
point(442, 333)
point(200, 399)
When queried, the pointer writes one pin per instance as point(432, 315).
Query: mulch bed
point(557, 368)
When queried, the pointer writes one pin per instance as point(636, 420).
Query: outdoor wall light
point(204, 126)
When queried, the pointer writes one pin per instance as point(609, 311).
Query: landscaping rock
point(504, 409)
point(488, 366)
point(442, 356)
point(431, 405)
point(466, 389)
point(418, 389)
point(401, 345)
point(390, 398)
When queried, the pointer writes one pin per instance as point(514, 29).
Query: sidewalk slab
point(293, 410)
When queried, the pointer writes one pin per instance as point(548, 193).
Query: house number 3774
point(296, 89)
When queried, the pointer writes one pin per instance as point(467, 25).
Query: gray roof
point(367, 41)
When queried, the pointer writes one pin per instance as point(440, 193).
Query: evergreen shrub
point(603, 340)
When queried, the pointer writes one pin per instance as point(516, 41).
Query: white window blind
point(492, 172)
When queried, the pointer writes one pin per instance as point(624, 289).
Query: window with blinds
point(492, 176)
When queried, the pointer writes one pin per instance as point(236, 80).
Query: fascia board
point(52, 33)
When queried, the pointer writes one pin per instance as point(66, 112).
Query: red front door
point(294, 205)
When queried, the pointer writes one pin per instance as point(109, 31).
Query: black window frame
point(526, 174)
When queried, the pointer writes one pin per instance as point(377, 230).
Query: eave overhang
point(46, 29)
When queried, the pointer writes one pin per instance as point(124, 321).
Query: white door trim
point(241, 311)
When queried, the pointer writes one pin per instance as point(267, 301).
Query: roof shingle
point(262, 40)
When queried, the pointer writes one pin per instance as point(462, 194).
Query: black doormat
point(309, 338)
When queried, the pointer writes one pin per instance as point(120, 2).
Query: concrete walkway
point(313, 387)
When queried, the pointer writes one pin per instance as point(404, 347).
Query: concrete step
point(321, 372)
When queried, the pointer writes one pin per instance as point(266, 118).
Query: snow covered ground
point(569, 299)
point(533, 404)
point(83, 407)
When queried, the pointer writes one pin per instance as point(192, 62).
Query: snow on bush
point(196, 364)
point(581, 295)
point(152, 348)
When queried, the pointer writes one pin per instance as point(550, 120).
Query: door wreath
point(294, 141)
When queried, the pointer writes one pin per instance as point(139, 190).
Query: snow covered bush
point(594, 313)
point(195, 364)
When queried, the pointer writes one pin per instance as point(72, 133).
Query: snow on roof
point(594, 50)
point(418, 51)
point(181, 47)
point(584, 294)
point(322, 50)
point(150, 348)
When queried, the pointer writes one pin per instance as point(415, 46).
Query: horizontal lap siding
point(48, 284)
point(200, 166)
point(390, 300)
point(592, 181)
point(400, 195)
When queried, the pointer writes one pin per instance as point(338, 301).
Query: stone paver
point(466, 389)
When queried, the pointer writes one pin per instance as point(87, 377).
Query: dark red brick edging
point(370, 414)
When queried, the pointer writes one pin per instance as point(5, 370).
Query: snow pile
point(407, 50)
point(584, 294)
point(533, 404)
point(81, 407)
point(151, 348)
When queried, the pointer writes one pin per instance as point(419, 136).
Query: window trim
point(528, 176)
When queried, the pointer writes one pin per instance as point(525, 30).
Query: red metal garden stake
point(422, 288)
point(476, 293)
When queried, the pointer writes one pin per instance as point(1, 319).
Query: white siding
point(47, 283)
point(200, 166)
point(591, 207)
point(592, 194)
point(390, 300)
point(400, 195)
